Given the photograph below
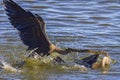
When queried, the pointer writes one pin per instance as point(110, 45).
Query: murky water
point(92, 24)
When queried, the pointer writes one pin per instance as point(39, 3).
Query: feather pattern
point(30, 26)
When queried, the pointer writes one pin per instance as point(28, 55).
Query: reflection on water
point(89, 24)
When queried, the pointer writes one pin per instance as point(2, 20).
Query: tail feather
point(88, 61)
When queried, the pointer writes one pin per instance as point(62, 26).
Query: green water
point(83, 24)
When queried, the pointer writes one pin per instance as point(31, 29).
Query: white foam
point(4, 65)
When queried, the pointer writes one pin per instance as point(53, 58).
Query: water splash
point(7, 67)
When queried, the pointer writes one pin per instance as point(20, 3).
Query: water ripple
point(93, 24)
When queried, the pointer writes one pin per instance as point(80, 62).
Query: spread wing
point(30, 26)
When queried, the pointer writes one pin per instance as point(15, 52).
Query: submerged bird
point(32, 32)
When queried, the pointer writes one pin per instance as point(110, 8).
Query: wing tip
point(7, 1)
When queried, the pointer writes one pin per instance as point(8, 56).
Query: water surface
point(89, 24)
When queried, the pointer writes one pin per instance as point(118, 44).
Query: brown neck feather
point(53, 48)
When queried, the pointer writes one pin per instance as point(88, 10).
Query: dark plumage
point(88, 61)
point(32, 32)
point(31, 28)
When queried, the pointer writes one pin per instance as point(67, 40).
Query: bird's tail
point(88, 61)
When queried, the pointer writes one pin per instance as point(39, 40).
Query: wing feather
point(30, 26)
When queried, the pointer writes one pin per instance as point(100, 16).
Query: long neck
point(53, 48)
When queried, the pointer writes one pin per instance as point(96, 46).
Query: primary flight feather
point(31, 28)
point(32, 32)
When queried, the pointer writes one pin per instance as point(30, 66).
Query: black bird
point(31, 28)
point(32, 31)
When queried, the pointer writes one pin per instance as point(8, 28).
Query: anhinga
point(32, 31)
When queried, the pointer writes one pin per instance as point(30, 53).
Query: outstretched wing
point(31, 27)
